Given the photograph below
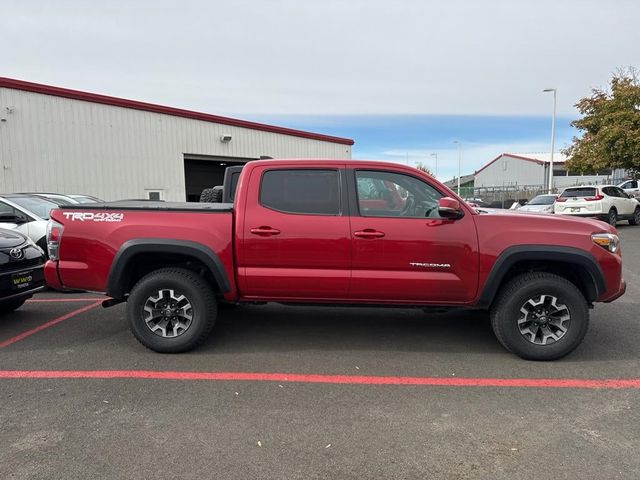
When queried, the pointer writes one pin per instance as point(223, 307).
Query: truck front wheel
point(540, 316)
point(171, 310)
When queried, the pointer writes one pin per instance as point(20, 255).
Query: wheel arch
point(577, 266)
point(137, 257)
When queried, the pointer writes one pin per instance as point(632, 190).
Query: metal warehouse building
point(509, 169)
point(59, 140)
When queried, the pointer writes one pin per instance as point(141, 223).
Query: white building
point(59, 140)
point(529, 170)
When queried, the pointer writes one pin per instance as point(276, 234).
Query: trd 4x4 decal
point(93, 217)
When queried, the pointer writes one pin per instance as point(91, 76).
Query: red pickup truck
point(337, 232)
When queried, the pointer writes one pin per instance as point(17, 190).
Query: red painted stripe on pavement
point(65, 300)
point(51, 323)
point(605, 383)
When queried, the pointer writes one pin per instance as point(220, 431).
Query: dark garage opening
point(202, 172)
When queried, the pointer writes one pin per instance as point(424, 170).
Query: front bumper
point(619, 293)
point(34, 283)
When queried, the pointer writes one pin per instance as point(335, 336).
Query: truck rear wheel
point(171, 310)
point(540, 316)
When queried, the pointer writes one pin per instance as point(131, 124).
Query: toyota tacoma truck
point(337, 232)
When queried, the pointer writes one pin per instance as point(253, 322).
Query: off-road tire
point(505, 313)
point(635, 218)
point(9, 306)
point(199, 294)
point(212, 195)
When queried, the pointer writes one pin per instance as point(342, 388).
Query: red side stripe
point(605, 383)
point(51, 323)
point(65, 300)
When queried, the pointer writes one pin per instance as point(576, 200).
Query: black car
point(21, 269)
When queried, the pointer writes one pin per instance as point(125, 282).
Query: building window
point(157, 195)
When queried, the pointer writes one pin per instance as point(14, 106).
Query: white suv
point(631, 187)
point(607, 202)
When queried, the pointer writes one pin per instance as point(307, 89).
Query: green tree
point(422, 167)
point(610, 127)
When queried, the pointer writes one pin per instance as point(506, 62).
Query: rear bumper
point(597, 214)
point(51, 275)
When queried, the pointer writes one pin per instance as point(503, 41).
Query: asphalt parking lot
point(325, 398)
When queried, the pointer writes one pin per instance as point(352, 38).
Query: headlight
point(607, 240)
point(33, 244)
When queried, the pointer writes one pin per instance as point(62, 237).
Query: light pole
point(553, 135)
point(459, 162)
point(435, 175)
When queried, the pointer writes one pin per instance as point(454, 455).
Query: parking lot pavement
point(220, 426)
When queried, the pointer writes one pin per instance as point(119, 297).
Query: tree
point(422, 167)
point(610, 127)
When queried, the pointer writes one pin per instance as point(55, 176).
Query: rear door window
point(620, 193)
point(301, 191)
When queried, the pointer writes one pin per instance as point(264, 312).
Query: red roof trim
point(151, 107)
point(519, 157)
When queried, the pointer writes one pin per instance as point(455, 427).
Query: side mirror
point(9, 217)
point(450, 208)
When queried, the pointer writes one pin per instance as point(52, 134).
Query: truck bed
point(203, 207)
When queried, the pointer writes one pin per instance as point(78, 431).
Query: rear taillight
point(594, 199)
point(561, 199)
point(54, 235)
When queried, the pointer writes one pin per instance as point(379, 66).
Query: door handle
point(265, 231)
point(368, 233)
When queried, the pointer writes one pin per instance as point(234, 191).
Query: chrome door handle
point(264, 231)
point(368, 233)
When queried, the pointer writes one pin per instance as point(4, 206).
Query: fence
point(505, 195)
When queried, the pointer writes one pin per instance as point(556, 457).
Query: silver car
point(26, 214)
point(631, 187)
point(541, 203)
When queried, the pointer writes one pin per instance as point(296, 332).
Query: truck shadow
point(281, 328)
point(278, 328)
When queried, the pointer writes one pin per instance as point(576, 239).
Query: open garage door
point(201, 171)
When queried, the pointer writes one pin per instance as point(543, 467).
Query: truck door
point(296, 240)
point(402, 250)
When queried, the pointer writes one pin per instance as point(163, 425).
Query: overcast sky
point(272, 58)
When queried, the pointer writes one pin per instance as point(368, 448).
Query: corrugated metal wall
point(510, 171)
point(56, 144)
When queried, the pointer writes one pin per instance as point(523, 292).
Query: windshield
point(58, 200)
point(543, 200)
point(579, 192)
point(85, 199)
point(36, 205)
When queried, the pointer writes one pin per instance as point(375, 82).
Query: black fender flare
point(119, 271)
point(545, 253)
